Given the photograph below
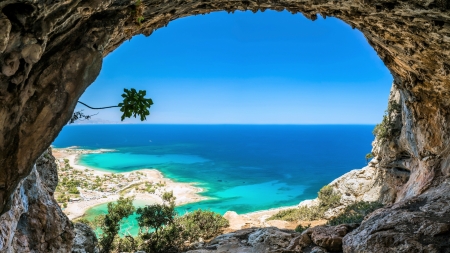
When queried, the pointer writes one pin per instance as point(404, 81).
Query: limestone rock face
point(36, 223)
point(321, 239)
point(252, 240)
point(419, 224)
point(85, 240)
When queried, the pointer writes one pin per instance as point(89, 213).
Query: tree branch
point(99, 107)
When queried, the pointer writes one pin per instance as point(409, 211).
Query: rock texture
point(367, 184)
point(36, 223)
point(50, 51)
point(252, 240)
point(420, 224)
point(321, 239)
point(273, 240)
point(85, 240)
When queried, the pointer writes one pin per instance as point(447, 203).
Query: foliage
point(84, 221)
point(161, 230)
point(301, 228)
point(384, 129)
point(138, 12)
point(110, 223)
point(301, 213)
point(79, 115)
point(327, 200)
point(369, 156)
point(201, 224)
point(154, 217)
point(134, 103)
point(355, 213)
point(73, 190)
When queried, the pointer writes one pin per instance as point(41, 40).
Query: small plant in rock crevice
point(384, 129)
point(369, 156)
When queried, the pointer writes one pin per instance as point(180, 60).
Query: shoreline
point(185, 193)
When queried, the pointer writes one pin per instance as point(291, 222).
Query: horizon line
point(261, 124)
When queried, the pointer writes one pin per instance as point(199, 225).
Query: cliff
point(51, 51)
point(36, 223)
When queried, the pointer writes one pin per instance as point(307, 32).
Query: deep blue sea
point(243, 168)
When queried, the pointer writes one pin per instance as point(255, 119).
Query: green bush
point(73, 190)
point(162, 231)
point(301, 228)
point(384, 129)
point(327, 200)
point(201, 224)
point(355, 213)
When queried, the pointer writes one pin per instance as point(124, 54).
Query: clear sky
point(245, 68)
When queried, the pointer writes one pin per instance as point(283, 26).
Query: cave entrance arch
point(50, 53)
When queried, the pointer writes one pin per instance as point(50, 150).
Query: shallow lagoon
point(243, 168)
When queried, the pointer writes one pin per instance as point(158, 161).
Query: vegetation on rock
point(355, 213)
point(327, 199)
point(384, 129)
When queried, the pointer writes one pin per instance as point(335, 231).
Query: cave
point(50, 52)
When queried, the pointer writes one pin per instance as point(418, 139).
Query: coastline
point(184, 192)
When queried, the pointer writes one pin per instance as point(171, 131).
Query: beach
point(184, 192)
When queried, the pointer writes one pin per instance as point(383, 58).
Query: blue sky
point(245, 68)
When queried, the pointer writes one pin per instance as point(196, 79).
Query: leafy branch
point(134, 104)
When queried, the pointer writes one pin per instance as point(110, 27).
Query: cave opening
point(250, 64)
point(297, 71)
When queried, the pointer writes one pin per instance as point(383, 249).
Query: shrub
point(355, 213)
point(74, 190)
point(369, 156)
point(384, 129)
point(301, 228)
point(201, 224)
point(327, 200)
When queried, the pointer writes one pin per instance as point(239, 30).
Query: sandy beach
point(184, 192)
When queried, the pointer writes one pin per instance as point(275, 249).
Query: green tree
point(201, 224)
point(152, 220)
point(110, 223)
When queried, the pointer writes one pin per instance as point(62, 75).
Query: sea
point(243, 168)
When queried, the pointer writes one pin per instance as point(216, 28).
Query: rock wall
point(36, 223)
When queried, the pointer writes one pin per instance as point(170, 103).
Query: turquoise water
point(128, 225)
point(243, 168)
